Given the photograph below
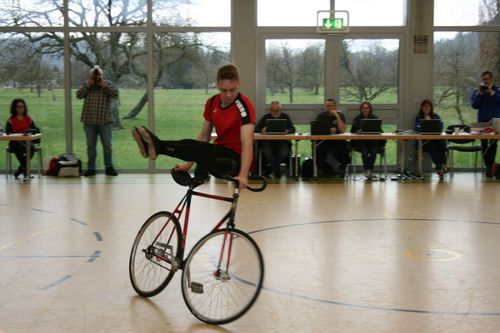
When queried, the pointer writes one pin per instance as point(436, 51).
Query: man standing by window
point(486, 99)
point(97, 119)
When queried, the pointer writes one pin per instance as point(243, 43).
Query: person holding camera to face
point(486, 99)
point(97, 119)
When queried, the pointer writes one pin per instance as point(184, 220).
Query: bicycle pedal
point(196, 287)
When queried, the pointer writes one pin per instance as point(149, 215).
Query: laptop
point(320, 128)
point(431, 126)
point(371, 126)
point(275, 126)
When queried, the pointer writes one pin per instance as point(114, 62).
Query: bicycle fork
point(221, 273)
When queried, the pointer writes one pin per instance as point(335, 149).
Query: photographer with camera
point(486, 99)
point(97, 119)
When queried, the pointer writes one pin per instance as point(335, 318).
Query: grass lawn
point(178, 114)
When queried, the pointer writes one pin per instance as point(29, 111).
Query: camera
point(96, 75)
point(483, 87)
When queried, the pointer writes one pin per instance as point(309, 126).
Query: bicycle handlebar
point(252, 189)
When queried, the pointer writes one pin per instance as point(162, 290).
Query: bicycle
point(222, 275)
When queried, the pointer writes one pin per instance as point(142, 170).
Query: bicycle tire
point(152, 268)
point(236, 289)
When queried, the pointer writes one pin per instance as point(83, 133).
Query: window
point(197, 13)
point(33, 73)
point(369, 71)
point(374, 13)
point(459, 60)
point(90, 13)
point(123, 61)
point(189, 63)
point(295, 71)
point(466, 12)
point(31, 13)
point(113, 36)
point(287, 13)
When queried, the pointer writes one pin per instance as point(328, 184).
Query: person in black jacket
point(275, 151)
point(367, 148)
point(339, 148)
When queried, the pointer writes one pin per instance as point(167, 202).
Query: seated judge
point(275, 152)
point(338, 148)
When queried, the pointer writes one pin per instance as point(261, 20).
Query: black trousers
point(275, 152)
point(489, 152)
point(18, 148)
point(368, 150)
point(437, 150)
point(339, 150)
point(216, 159)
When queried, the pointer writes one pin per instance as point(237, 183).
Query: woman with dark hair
point(367, 148)
point(435, 148)
point(20, 122)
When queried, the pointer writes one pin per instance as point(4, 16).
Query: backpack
point(307, 169)
point(64, 165)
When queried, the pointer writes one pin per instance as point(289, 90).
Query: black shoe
point(18, 172)
point(341, 172)
point(110, 171)
point(89, 173)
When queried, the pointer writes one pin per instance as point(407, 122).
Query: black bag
point(307, 169)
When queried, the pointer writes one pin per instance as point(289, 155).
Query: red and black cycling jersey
point(228, 121)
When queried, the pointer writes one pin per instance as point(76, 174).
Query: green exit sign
point(333, 23)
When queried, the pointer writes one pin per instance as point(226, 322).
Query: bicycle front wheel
point(155, 255)
point(222, 276)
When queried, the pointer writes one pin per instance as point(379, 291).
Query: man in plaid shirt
point(96, 118)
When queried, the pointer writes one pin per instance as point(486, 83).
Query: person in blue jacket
point(486, 100)
point(367, 148)
point(435, 148)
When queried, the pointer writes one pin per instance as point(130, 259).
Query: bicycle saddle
point(182, 178)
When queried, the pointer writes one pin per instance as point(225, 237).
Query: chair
point(8, 160)
point(462, 145)
point(382, 157)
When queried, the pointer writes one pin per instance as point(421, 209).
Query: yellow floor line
point(3, 247)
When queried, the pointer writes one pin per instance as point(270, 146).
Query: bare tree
point(368, 73)
point(289, 68)
point(454, 72)
point(122, 55)
point(22, 65)
point(312, 65)
point(489, 42)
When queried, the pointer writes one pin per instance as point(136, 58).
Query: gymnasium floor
point(350, 256)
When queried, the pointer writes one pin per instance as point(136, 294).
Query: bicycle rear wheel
point(155, 255)
point(222, 276)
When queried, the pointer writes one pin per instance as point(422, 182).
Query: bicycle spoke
point(152, 264)
point(218, 288)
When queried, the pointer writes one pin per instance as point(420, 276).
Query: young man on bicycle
point(233, 116)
